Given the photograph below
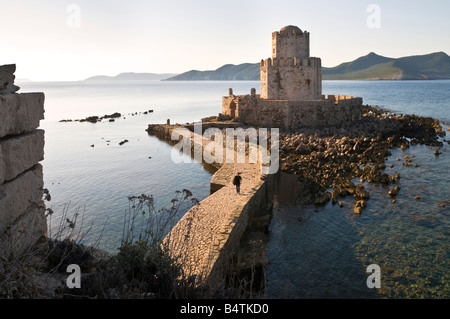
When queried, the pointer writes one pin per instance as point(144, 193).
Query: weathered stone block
point(20, 113)
point(18, 195)
point(24, 232)
point(2, 169)
point(20, 153)
point(7, 79)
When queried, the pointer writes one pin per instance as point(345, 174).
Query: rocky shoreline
point(110, 117)
point(327, 160)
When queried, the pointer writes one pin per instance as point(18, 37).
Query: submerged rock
point(393, 192)
point(335, 196)
point(359, 206)
point(361, 193)
point(322, 198)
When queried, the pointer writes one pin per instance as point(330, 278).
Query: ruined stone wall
point(333, 110)
point(22, 210)
point(325, 113)
point(291, 78)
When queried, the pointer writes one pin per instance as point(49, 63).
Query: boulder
point(359, 206)
point(394, 191)
point(361, 192)
point(20, 153)
point(20, 113)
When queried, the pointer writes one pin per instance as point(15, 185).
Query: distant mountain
point(369, 67)
point(359, 64)
point(375, 67)
point(130, 76)
point(228, 72)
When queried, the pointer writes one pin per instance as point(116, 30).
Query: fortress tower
point(291, 74)
point(291, 91)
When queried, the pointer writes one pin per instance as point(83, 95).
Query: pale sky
point(59, 40)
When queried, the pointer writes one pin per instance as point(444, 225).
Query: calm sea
point(325, 255)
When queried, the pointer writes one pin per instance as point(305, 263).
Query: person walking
point(237, 181)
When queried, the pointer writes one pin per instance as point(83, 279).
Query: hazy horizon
point(72, 41)
point(153, 73)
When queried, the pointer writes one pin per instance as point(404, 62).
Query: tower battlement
point(290, 42)
point(291, 74)
point(292, 62)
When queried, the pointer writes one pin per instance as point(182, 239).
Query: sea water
point(323, 254)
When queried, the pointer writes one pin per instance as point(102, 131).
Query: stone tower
point(291, 91)
point(291, 74)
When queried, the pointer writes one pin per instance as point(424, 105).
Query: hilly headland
point(370, 67)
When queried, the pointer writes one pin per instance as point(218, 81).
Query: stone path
point(212, 230)
point(200, 236)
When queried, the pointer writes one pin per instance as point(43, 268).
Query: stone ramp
point(206, 241)
point(208, 236)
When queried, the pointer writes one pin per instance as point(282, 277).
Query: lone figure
point(237, 181)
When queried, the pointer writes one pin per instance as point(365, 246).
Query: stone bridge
point(226, 232)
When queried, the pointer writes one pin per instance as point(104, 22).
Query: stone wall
point(291, 74)
point(22, 210)
point(332, 110)
point(291, 78)
point(290, 41)
point(209, 240)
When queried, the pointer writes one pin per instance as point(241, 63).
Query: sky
point(59, 40)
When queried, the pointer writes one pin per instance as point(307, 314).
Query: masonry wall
point(22, 210)
point(333, 110)
point(290, 41)
point(254, 212)
point(291, 79)
point(291, 74)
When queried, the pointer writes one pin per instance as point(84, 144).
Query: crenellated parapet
point(292, 62)
point(291, 78)
point(342, 99)
point(291, 74)
point(290, 41)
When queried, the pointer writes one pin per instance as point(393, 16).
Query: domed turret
point(290, 42)
point(291, 29)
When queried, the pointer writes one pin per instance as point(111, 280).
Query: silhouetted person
point(237, 181)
